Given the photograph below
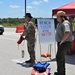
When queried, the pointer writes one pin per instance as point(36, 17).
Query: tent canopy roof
point(68, 8)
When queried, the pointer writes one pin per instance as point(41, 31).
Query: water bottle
point(22, 53)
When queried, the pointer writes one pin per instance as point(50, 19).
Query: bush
point(13, 22)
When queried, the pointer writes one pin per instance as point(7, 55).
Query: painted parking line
point(21, 62)
point(8, 38)
point(18, 60)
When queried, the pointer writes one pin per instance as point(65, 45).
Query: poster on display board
point(46, 30)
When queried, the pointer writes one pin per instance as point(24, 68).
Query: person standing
point(29, 33)
point(63, 38)
point(71, 19)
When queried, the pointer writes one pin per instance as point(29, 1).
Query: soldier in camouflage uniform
point(29, 33)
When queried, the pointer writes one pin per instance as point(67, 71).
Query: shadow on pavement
point(24, 65)
point(52, 60)
point(49, 60)
point(70, 59)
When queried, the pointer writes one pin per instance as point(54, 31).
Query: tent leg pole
point(40, 54)
point(50, 50)
point(55, 49)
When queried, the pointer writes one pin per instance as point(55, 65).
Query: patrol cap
point(28, 14)
point(61, 13)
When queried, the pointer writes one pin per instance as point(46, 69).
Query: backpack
point(41, 66)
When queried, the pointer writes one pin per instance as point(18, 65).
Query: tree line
point(13, 22)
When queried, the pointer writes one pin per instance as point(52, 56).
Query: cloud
point(29, 7)
point(14, 6)
point(27, 10)
point(36, 2)
point(45, 0)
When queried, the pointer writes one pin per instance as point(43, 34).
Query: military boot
point(28, 61)
point(32, 63)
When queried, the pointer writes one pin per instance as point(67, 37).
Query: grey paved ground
point(10, 56)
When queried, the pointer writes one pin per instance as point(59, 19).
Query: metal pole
point(40, 53)
point(25, 6)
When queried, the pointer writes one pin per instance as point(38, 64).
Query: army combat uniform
point(29, 33)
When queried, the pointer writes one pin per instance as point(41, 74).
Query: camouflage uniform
point(29, 33)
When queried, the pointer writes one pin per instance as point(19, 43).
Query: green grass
point(73, 25)
point(13, 22)
point(12, 25)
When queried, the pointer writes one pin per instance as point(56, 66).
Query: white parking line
point(8, 38)
point(17, 60)
point(21, 61)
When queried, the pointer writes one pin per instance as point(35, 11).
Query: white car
point(1, 29)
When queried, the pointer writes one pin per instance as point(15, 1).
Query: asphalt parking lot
point(10, 55)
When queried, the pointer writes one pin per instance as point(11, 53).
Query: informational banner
point(46, 30)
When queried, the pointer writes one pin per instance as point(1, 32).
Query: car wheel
point(1, 33)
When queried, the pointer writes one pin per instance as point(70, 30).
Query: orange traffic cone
point(46, 54)
point(34, 72)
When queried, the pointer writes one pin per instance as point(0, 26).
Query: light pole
point(25, 6)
